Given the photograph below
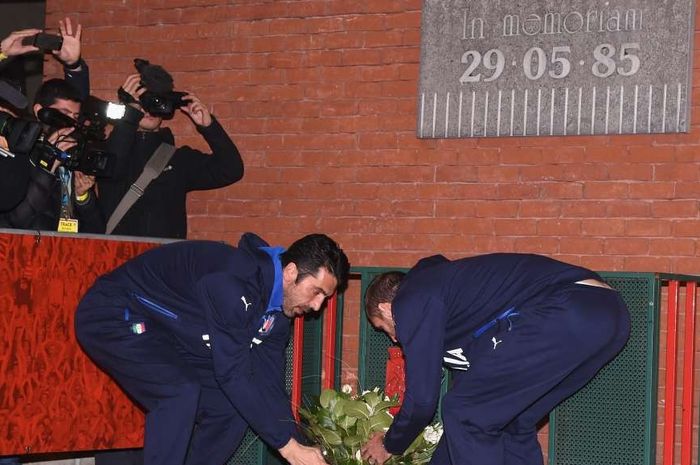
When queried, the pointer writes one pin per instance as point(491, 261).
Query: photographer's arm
point(90, 219)
point(224, 166)
point(75, 70)
point(41, 184)
point(11, 45)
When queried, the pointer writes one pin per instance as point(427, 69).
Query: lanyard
point(66, 205)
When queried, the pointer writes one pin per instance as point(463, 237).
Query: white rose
point(432, 434)
point(346, 389)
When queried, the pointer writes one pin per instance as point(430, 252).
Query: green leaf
point(326, 396)
point(330, 437)
point(385, 405)
point(380, 421)
point(372, 398)
point(346, 422)
point(337, 408)
point(363, 429)
point(352, 441)
point(357, 409)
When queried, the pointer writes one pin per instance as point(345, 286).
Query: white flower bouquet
point(341, 423)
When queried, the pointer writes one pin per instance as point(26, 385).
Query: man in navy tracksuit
point(520, 333)
point(196, 331)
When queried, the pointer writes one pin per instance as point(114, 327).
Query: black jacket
point(161, 211)
point(41, 206)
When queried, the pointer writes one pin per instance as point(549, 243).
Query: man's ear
point(385, 311)
point(290, 273)
point(36, 109)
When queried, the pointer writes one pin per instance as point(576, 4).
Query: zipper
point(156, 307)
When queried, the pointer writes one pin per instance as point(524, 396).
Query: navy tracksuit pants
point(189, 420)
point(522, 367)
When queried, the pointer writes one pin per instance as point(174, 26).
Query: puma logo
point(246, 303)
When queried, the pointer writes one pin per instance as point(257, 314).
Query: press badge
point(68, 225)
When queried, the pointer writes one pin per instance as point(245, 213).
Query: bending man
point(196, 332)
point(520, 333)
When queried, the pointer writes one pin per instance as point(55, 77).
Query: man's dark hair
point(55, 89)
point(316, 251)
point(381, 289)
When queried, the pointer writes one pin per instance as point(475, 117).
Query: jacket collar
point(277, 294)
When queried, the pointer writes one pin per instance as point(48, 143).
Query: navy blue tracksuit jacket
point(194, 332)
point(519, 336)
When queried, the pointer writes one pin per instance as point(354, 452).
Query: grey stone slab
point(492, 68)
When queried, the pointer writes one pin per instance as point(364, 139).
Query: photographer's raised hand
point(12, 44)
point(69, 54)
point(196, 110)
point(132, 86)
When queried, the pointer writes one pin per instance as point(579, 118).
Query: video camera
point(159, 99)
point(89, 154)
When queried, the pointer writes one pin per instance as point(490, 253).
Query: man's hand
point(12, 44)
point(196, 110)
point(296, 454)
point(374, 452)
point(62, 138)
point(132, 86)
point(70, 50)
point(83, 183)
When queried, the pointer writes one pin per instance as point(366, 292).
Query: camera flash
point(115, 111)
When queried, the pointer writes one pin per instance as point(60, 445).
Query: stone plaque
point(492, 68)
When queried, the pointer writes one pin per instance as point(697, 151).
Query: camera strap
point(154, 166)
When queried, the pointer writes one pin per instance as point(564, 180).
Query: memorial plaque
point(493, 68)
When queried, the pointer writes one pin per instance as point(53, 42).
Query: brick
point(559, 227)
point(579, 245)
point(675, 209)
point(538, 245)
point(497, 209)
point(654, 190)
point(647, 263)
point(626, 246)
point(677, 247)
point(647, 228)
point(606, 227)
point(515, 227)
point(538, 208)
point(605, 190)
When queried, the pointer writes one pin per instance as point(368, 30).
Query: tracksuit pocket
point(155, 307)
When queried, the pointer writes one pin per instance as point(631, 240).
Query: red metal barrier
point(329, 343)
point(688, 386)
point(297, 360)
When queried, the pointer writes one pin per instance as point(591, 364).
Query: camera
point(162, 104)
point(159, 99)
point(21, 134)
point(44, 41)
point(89, 154)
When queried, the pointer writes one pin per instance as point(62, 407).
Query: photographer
point(57, 199)
point(14, 169)
point(161, 210)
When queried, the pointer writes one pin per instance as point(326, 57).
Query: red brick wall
point(320, 96)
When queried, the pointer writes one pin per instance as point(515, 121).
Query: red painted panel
point(52, 397)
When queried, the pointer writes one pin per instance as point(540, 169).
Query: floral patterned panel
point(52, 397)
